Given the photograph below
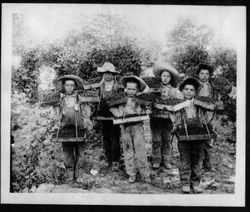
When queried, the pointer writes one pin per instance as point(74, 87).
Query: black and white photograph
point(121, 104)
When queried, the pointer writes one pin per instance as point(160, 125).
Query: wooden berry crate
point(143, 102)
point(73, 139)
point(68, 135)
point(196, 137)
point(160, 114)
point(209, 106)
point(130, 119)
point(100, 118)
point(117, 101)
point(172, 108)
point(90, 99)
point(222, 87)
point(92, 86)
point(154, 90)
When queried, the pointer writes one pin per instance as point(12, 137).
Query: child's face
point(165, 77)
point(203, 75)
point(131, 89)
point(69, 86)
point(108, 76)
point(188, 91)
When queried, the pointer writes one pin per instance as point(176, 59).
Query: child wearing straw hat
point(74, 114)
point(110, 133)
point(191, 151)
point(204, 73)
point(161, 128)
point(132, 136)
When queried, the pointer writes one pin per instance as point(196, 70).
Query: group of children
point(131, 135)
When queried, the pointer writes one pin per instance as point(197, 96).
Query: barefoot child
point(73, 114)
point(132, 136)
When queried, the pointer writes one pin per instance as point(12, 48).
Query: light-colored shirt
point(108, 86)
point(191, 110)
point(205, 89)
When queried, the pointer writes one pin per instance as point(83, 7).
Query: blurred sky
point(52, 21)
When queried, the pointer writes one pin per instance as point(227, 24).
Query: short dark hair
point(133, 81)
point(64, 80)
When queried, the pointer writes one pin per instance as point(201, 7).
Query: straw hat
point(60, 80)
point(175, 78)
point(142, 84)
point(107, 67)
point(191, 81)
point(204, 66)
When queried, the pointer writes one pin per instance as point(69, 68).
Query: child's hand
point(148, 110)
point(88, 124)
point(76, 107)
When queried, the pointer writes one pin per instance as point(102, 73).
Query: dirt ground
point(44, 171)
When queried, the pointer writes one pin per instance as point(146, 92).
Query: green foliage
point(125, 58)
point(186, 58)
point(187, 44)
point(226, 60)
point(189, 32)
point(25, 78)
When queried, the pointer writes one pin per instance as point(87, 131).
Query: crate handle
point(185, 126)
point(209, 134)
point(60, 119)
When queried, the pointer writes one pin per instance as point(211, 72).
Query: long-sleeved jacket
point(105, 91)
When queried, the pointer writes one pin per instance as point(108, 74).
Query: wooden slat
point(172, 108)
point(90, 99)
point(129, 120)
point(91, 86)
point(79, 139)
point(196, 137)
point(157, 115)
point(209, 106)
point(100, 118)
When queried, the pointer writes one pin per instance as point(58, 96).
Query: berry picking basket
point(204, 134)
point(69, 135)
point(205, 102)
point(172, 108)
point(130, 119)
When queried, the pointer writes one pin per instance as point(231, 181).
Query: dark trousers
point(111, 143)
point(161, 136)
point(191, 156)
point(207, 154)
point(73, 152)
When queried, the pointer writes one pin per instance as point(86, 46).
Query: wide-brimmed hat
point(107, 67)
point(204, 66)
point(190, 81)
point(175, 78)
point(60, 80)
point(141, 83)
